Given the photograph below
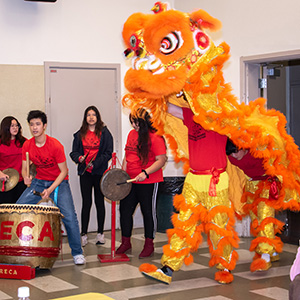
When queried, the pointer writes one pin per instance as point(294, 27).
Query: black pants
point(13, 195)
point(145, 194)
point(87, 183)
point(294, 292)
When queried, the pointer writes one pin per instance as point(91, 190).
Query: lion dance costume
point(175, 61)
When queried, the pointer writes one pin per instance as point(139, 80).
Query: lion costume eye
point(170, 43)
point(134, 42)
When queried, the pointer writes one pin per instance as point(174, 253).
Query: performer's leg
point(186, 235)
point(13, 195)
point(7, 197)
point(266, 244)
point(147, 194)
point(100, 208)
point(127, 208)
point(18, 190)
point(264, 227)
point(99, 202)
point(184, 238)
point(86, 194)
point(66, 205)
point(222, 237)
point(28, 197)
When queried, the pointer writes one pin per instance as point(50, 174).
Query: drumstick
point(127, 181)
point(36, 193)
point(89, 164)
point(27, 166)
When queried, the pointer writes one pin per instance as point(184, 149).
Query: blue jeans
point(64, 203)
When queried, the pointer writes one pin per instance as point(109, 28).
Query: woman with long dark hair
point(92, 149)
point(145, 155)
point(11, 142)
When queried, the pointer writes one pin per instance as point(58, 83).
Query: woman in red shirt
point(92, 149)
point(11, 142)
point(145, 155)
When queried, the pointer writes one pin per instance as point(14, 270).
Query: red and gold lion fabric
point(174, 60)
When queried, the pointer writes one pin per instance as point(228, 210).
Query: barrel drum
point(30, 234)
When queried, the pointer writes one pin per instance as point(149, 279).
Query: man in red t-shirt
point(51, 178)
point(203, 206)
point(260, 195)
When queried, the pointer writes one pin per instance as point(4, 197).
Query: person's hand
point(3, 177)
point(27, 180)
point(90, 168)
point(45, 193)
point(141, 177)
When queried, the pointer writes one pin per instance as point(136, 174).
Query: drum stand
point(113, 257)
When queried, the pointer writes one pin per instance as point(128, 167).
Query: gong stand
point(113, 257)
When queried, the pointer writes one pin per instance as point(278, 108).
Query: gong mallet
point(127, 181)
point(89, 164)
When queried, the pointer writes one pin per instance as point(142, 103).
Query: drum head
point(109, 187)
point(13, 179)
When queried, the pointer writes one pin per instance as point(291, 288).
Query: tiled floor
point(122, 280)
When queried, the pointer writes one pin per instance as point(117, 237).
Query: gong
point(12, 181)
point(114, 185)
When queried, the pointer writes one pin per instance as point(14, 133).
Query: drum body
point(29, 235)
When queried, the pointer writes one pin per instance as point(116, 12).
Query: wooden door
point(70, 89)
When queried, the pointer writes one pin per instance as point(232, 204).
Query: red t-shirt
point(207, 149)
point(251, 166)
point(11, 157)
point(134, 164)
point(46, 158)
point(91, 145)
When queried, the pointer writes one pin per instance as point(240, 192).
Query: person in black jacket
point(92, 149)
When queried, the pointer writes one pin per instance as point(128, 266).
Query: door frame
point(61, 65)
point(250, 72)
point(250, 65)
point(48, 66)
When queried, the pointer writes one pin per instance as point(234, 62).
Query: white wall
point(90, 31)
point(65, 31)
point(251, 28)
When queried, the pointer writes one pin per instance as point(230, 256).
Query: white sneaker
point(266, 257)
point(79, 259)
point(84, 240)
point(100, 239)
